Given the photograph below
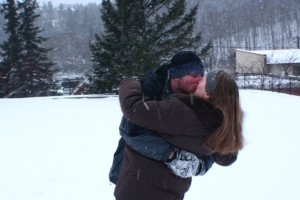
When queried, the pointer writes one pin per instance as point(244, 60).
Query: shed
point(278, 62)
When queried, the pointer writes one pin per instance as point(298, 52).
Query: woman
point(208, 124)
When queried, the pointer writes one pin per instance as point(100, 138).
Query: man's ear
point(206, 96)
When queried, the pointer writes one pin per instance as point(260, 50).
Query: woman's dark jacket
point(145, 141)
point(181, 122)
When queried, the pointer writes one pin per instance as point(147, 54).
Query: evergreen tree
point(140, 35)
point(25, 69)
point(37, 70)
point(10, 50)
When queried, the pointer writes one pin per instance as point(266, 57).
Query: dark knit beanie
point(210, 80)
point(185, 63)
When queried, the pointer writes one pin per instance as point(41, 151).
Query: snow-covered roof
point(282, 56)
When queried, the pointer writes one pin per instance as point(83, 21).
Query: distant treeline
point(255, 24)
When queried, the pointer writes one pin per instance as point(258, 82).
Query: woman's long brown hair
point(228, 137)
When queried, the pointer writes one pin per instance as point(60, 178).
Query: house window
point(267, 69)
point(296, 70)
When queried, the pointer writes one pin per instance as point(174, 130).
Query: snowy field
point(62, 149)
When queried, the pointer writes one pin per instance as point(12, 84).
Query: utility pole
point(298, 42)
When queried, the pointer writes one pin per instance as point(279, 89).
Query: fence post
point(272, 82)
point(244, 80)
point(290, 85)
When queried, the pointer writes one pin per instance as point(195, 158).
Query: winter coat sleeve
point(145, 141)
point(169, 116)
point(117, 162)
point(226, 159)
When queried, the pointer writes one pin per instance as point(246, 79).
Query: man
point(181, 75)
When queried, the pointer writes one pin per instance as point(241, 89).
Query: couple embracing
point(177, 122)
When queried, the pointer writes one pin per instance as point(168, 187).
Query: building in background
point(285, 62)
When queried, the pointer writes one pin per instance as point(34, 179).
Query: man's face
point(186, 84)
point(201, 91)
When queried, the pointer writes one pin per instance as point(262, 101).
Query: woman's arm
point(169, 116)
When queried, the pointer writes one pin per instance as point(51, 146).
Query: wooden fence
point(270, 82)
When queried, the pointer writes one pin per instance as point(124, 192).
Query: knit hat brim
point(194, 67)
point(185, 63)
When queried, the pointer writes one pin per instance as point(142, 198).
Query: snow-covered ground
point(62, 149)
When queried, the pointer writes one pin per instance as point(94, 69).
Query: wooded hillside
point(246, 24)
